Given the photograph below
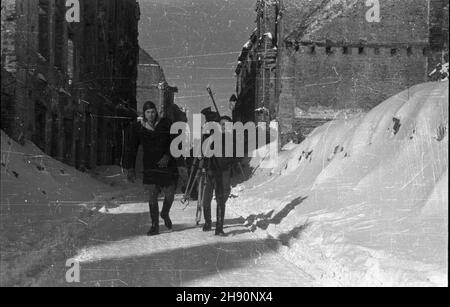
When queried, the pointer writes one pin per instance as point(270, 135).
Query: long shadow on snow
point(264, 220)
point(110, 228)
point(179, 267)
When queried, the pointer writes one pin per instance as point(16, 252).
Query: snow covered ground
point(31, 177)
point(41, 220)
point(369, 195)
point(120, 254)
point(361, 202)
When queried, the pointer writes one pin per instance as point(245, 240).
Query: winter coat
point(222, 163)
point(156, 144)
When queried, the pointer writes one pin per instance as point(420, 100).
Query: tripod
point(198, 175)
point(199, 172)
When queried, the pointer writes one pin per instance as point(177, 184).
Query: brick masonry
point(152, 86)
point(71, 82)
point(330, 61)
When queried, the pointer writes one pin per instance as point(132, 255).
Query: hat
point(210, 115)
point(149, 105)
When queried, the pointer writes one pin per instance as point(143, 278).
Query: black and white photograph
point(224, 149)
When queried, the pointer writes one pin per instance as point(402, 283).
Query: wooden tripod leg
point(201, 196)
point(192, 179)
point(242, 170)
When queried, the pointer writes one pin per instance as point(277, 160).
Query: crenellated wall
point(336, 62)
point(334, 58)
point(353, 78)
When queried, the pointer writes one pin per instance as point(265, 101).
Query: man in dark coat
point(160, 168)
point(218, 179)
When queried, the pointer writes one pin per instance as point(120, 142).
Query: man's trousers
point(220, 182)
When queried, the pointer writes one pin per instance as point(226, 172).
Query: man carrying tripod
point(212, 174)
point(218, 180)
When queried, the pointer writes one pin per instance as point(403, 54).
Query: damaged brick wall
point(257, 73)
point(438, 32)
point(8, 64)
point(74, 82)
point(330, 79)
point(106, 54)
point(8, 37)
point(345, 21)
point(7, 101)
point(150, 76)
point(152, 86)
point(335, 59)
point(345, 64)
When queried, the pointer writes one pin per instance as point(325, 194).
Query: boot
point(167, 205)
point(154, 230)
point(154, 218)
point(220, 220)
point(207, 227)
point(167, 221)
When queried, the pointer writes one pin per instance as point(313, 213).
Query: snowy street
point(120, 254)
point(351, 205)
point(314, 133)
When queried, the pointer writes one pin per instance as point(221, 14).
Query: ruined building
point(152, 86)
point(308, 62)
point(69, 87)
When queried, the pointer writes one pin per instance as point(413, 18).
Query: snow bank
point(31, 177)
point(369, 194)
point(42, 223)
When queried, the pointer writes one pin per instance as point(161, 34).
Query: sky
point(197, 44)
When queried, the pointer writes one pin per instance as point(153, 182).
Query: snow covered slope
point(366, 197)
point(41, 222)
point(28, 176)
